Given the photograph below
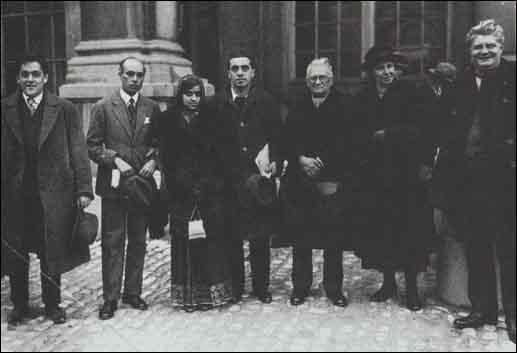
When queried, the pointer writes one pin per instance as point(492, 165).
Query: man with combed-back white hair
point(478, 161)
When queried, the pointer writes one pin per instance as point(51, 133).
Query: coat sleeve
point(78, 152)
point(96, 138)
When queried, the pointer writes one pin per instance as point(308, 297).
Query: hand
point(425, 173)
point(379, 135)
point(148, 168)
point(83, 202)
point(272, 168)
point(124, 168)
point(311, 166)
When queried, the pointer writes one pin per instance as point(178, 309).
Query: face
point(31, 79)
point(240, 73)
point(485, 52)
point(385, 73)
point(132, 76)
point(320, 80)
point(192, 98)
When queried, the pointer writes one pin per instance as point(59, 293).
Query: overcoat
point(63, 175)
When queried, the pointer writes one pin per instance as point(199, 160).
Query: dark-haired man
point(45, 175)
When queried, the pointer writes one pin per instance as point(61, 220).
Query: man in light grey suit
point(118, 141)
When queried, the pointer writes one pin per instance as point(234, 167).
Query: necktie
point(32, 105)
point(132, 113)
point(240, 102)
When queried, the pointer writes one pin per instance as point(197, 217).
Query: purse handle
point(194, 211)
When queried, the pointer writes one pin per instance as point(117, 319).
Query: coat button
point(245, 149)
point(243, 124)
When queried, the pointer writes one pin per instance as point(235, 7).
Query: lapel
point(50, 113)
point(141, 111)
point(12, 117)
point(120, 110)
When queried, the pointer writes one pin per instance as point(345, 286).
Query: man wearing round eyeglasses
point(325, 149)
point(118, 141)
point(45, 177)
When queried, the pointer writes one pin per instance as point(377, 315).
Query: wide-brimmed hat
point(85, 229)
point(379, 54)
point(443, 71)
point(259, 190)
point(139, 190)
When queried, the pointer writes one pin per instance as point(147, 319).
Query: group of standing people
point(343, 172)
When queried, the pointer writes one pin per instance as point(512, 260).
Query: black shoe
point(108, 310)
point(17, 315)
point(135, 302)
point(339, 300)
point(56, 314)
point(265, 297)
point(510, 326)
point(413, 303)
point(189, 309)
point(204, 307)
point(386, 292)
point(474, 320)
point(297, 300)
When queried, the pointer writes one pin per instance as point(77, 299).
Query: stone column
point(109, 34)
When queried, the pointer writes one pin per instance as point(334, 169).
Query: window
point(417, 28)
point(38, 27)
point(328, 29)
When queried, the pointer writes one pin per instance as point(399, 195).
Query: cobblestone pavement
point(251, 326)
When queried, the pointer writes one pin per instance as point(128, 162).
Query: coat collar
point(50, 103)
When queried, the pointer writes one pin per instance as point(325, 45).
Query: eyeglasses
point(244, 68)
point(37, 74)
point(320, 78)
point(139, 74)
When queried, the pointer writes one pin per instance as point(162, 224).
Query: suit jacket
point(110, 135)
point(243, 136)
point(63, 175)
point(496, 164)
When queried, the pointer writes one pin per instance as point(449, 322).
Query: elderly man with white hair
point(478, 160)
point(324, 146)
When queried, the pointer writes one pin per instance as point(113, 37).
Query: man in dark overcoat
point(118, 141)
point(249, 120)
point(478, 174)
point(324, 141)
point(45, 177)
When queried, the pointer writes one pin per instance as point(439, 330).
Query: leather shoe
point(189, 309)
point(339, 300)
point(108, 310)
point(17, 315)
point(265, 297)
point(204, 307)
point(296, 300)
point(383, 294)
point(474, 320)
point(56, 314)
point(413, 303)
point(135, 302)
point(236, 299)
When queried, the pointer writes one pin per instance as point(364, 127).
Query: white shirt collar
point(37, 99)
point(235, 95)
point(126, 97)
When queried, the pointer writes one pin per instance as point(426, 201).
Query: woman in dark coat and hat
point(196, 184)
point(401, 221)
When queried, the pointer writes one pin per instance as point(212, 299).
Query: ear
point(45, 78)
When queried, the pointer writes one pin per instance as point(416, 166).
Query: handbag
point(196, 229)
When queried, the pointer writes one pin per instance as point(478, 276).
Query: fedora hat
point(139, 190)
point(260, 190)
point(379, 54)
point(85, 229)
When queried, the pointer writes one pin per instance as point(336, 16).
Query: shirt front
point(126, 97)
point(36, 99)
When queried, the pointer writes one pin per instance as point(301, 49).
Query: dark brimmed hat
point(379, 54)
point(139, 190)
point(260, 190)
point(443, 71)
point(85, 229)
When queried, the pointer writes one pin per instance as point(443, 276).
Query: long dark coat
point(63, 174)
point(497, 169)
point(338, 137)
point(401, 219)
